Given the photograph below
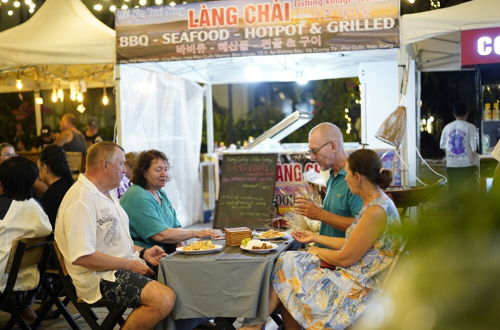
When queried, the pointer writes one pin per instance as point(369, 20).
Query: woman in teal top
point(152, 218)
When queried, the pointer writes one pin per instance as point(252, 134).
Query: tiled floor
point(60, 323)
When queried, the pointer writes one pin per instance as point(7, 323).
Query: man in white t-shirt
point(495, 153)
point(92, 232)
point(459, 140)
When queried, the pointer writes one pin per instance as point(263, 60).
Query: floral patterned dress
point(321, 298)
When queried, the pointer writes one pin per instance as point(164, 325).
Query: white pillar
point(38, 112)
point(209, 118)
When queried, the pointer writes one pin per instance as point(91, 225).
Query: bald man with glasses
point(340, 206)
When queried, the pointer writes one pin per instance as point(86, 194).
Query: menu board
point(246, 191)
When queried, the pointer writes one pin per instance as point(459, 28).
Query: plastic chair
point(24, 252)
point(115, 312)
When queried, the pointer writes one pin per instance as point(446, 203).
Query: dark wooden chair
point(114, 312)
point(24, 252)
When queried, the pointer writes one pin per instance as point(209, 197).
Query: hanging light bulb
point(79, 97)
point(39, 100)
point(105, 99)
point(5, 1)
point(60, 94)
point(112, 8)
point(158, 2)
point(10, 12)
point(16, 4)
point(124, 6)
point(143, 2)
point(97, 7)
point(28, 2)
point(54, 93)
point(19, 84)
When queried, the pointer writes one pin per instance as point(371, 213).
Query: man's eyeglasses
point(7, 154)
point(316, 150)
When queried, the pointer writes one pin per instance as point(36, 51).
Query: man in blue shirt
point(340, 206)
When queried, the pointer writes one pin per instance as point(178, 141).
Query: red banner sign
point(481, 46)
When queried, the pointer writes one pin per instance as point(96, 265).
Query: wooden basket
point(234, 236)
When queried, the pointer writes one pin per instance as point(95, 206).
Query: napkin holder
point(234, 236)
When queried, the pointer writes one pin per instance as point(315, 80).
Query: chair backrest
point(75, 161)
point(25, 252)
point(60, 260)
point(393, 265)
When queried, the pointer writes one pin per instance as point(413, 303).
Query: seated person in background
point(322, 298)
point(93, 236)
point(152, 218)
point(6, 151)
point(20, 217)
point(130, 162)
point(46, 137)
point(70, 138)
point(54, 171)
point(91, 134)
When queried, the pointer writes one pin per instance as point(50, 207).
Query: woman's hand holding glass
point(304, 236)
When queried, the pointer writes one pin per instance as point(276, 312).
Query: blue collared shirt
point(339, 200)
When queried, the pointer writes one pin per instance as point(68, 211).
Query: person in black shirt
point(46, 137)
point(54, 171)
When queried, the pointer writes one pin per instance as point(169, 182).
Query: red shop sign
point(481, 46)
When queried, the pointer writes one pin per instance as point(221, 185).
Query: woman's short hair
point(54, 157)
point(144, 162)
point(368, 163)
point(131, 159)
point(17, 176)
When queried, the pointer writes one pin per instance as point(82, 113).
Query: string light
point(39, 100)
point(112, 8)
point(5, 1)
point(60, 94)
point(143, 2)
point(158, 2)
point(10, 12)
point(28, 2)
point(97, 7)
point(124, 6)
point(16, 4)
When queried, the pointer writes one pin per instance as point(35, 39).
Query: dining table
point(230, 283)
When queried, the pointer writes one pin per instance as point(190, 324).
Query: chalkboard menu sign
point(246, 191)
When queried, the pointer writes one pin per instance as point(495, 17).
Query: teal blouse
point(146, 216)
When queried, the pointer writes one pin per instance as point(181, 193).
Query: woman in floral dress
point(317, 297)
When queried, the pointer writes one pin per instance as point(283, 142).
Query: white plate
point(217, 249)
point(257, 235)
point(259, 250)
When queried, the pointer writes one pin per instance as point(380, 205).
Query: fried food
point(200, 246)
point(271, 233)
point(264, 246)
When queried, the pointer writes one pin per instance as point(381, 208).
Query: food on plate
point(256, 244)
point(271, 233)
point(200, 246)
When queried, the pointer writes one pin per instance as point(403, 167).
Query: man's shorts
point(126, 290)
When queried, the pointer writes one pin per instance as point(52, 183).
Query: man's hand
point(139, 267)
point(153, 255)
point(307, 208)
point(304, 236)
point(212, 233)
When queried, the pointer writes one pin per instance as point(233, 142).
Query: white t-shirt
point(459, 139)
point(24, 219)
point(495, 153)
point(89, 221)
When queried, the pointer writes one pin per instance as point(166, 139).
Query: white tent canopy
point(432, 38)
point(273, 68)
point(61, 33)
